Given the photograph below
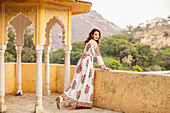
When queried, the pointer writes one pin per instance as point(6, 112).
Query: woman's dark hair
point(90, 36)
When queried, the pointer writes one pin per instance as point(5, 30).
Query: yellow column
point(69, 28)
point(40, 25)
point(1, 22)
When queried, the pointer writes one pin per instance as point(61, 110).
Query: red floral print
point(88, 46)
point(83, 78)
point(68, 89)
point(102, 66)
point(79, 68)
point(97, 51)
point(86, 89)
point(74, 84)
point(76, 102)
point(91, 97)
point(87, 63)
point(90, 73)
point(92, 81)
point(78, 94)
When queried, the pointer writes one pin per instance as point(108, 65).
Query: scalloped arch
point(50, 24)
point(19, 22)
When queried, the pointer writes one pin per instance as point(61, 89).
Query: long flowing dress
point(80, 92)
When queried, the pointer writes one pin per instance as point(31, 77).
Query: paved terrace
point(26, 102)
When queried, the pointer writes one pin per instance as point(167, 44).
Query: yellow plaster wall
point(120, 91)
point(132, 92)
point(28, 77)
point(1, 23)
point(10, 77)
point(28, 73)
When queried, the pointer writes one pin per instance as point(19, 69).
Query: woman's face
point(95, 35)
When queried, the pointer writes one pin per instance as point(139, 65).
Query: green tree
point(57, 56)
point(121, 36)
point(163, 58)
point(9, 57)
point(28, 53)
point(77, 51)
point(130, 29)
point(118, 48)
point(10, 53)
point(76, 54)
point(145, 56)
point(148, 26)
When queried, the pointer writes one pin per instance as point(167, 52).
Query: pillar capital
point(2, 47)
point(18, 47)
point(39, 47)
point(67, 48)
point(47, 48)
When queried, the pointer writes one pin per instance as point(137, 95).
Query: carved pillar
point(19, 90)
point(67, 50)
point(38, 103)
point(47, 70)
point(2, 78)
point(19, 22)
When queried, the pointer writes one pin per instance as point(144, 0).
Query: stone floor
point(26, 102)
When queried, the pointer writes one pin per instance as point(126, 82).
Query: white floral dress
point(80, 92)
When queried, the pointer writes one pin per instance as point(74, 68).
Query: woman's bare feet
point(86, 107)
point(82, 107)
point(78, 107)
point(59, 100)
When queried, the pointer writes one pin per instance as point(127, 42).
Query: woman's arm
point(98, 56)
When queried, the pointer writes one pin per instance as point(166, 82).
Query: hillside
point(156, 36)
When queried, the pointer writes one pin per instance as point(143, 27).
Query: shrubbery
point(137, 68)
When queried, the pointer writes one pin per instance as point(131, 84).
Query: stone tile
point(26, 102)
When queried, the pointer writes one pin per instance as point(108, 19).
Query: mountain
point(82, 25)
point(156, 34)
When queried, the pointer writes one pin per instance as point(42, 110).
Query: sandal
point(59, 102)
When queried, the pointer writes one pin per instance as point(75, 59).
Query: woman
point(80, 92)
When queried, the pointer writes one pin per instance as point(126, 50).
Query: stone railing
point(124, 91)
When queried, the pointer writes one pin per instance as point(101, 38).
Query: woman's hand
point(107, 69)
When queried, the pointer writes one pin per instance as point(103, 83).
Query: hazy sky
point(131, 12)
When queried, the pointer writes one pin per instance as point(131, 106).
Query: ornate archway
point(49, 26)
point(19, 23)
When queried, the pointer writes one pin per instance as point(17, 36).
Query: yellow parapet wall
point(28, 77)
point(127, 92)
point(132, 92)
point(10, 77)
